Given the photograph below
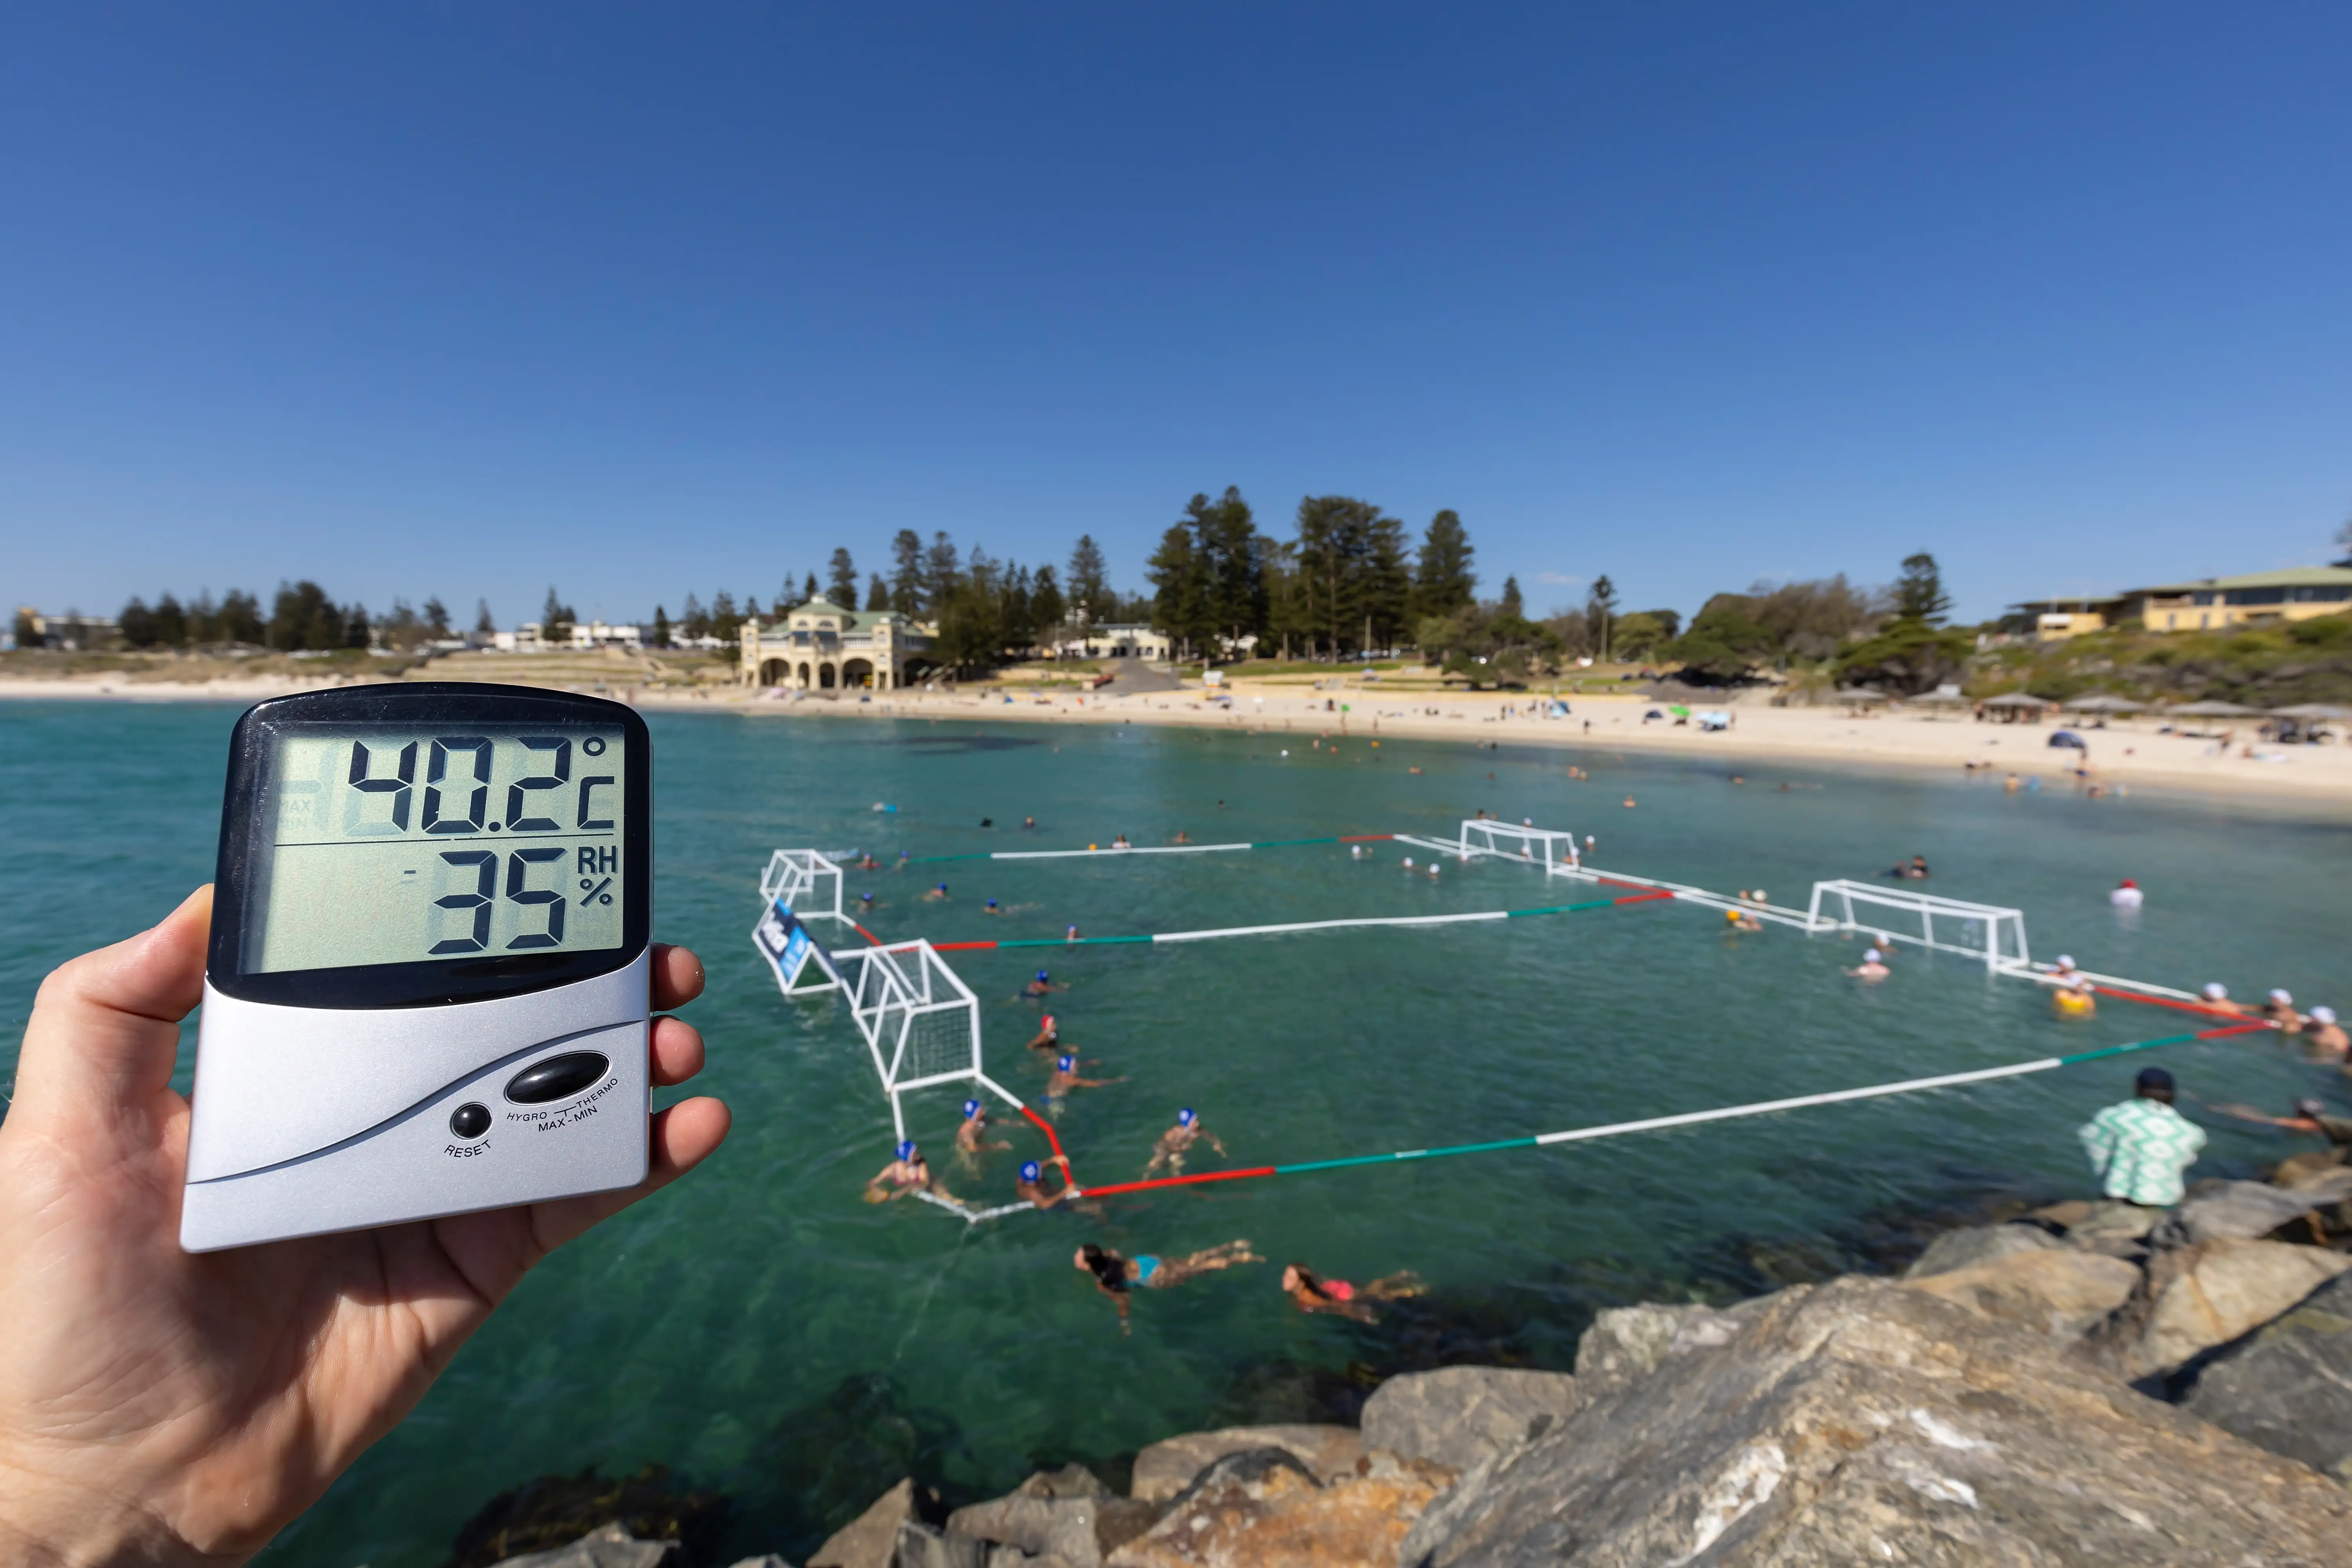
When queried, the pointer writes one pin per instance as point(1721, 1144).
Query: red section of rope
point(2236, 1029)
point(1046, 1128)
point(1638, 898)
point(872, 940)
point(2183, 1007)
point(1180, 1180)
point(1365, 838)
point(959, 946)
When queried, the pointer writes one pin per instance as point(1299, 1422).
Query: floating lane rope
point(1642, 898)
point(1686, 1118)
point(1149, 849)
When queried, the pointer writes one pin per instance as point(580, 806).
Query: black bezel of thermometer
point(430, 982)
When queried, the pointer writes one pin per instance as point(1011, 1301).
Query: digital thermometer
point(427, 990)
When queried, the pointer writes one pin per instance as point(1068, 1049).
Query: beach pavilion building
point(821, 647)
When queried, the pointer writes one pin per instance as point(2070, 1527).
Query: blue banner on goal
point(789, 946)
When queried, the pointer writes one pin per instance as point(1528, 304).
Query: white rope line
point(1331, 925)
point(1761, 1108)
point(1146, 849)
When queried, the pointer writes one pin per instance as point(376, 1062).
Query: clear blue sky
point(467, 299)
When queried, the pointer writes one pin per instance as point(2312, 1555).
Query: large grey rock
point(920, 1545)
point(2238, 1210)
point(1866, 1423)
point(1978, 1243)
point(1066, 1515)
point(1458, 1416)
point(1259, 1509)
point(606, 1546)
point(2056, 1291)
point(1626, 1344)
point(766, 1560)
point(869, 1540)
point(2288, 1385)
point(2106, 1221)
point(1167, 1467)
point(2204, 1295)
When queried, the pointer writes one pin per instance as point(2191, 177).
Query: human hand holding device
point(162, 1407)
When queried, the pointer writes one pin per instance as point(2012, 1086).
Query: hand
point(162, 1407)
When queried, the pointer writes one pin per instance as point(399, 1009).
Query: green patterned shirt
point(2139, 1149)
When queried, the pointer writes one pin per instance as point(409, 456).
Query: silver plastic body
point(312, 1119)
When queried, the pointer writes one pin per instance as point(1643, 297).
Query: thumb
point(105, 1029)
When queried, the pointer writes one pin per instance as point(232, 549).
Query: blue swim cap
point(1041, 977)
point(1186, 1116)
point(1029, 1172)
point(907, 1150)
point(970, 1109)
point(1066, 1063)
point(992, 903)
point(943, 887)
point(866, 897)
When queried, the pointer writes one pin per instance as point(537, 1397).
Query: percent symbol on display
point(594, 890)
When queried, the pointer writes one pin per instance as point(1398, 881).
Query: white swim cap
point(2216, 992)
point(1760, 895)
point(1872, 955)
point(2323, 1014)
point(2281, 999)
point(2065, 960)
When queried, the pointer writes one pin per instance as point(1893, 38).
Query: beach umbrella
point(2017, 700)
point(1859, 694)
point(1679, 709)
point(2103, 703)
point(1939, 699)
point(2212, 709)
point(2314, 711)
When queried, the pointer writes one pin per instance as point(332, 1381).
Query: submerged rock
point(1978, 1243)
point(1865, 1421)
point(551, 1512)
point(1167, 1467)
point(1459, 1415)
point(2059, 1292)
point(920, 1545)
point(2288, 1385)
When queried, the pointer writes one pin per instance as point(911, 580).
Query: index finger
point(677, 976)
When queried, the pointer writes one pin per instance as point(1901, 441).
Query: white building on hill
point(821, 647)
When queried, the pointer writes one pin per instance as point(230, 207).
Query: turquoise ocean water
point(766, 1335)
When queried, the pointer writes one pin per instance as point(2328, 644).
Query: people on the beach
point(1115, 1276)
point(908, 1172)
point(971, 1134)
point(1030, 1189)
point(2279, 1008)
point(1872, 967)
point(2217, 1000)
point(1177, 1140)
point(2140, 1147)
point(2074, 999)
point(2128, 895)
point(1309, 1293)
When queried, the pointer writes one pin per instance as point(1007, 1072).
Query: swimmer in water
point(2279, 1008)
point(1065, 1078)
point(2328, 1040)
point(1741, 920)
point(937, 894)
point(907, 1173)
point(1117, 1277)
point(1120, 843)
point(1049, 1034)
point(864, 903)
point(1311, 1294)
point(2075, 999)
point(1173, 1143)
point(1182, 837)
point(1030, 1189)
point(1040, 986)
point(972, 1137)
point(1071, 934)
point(990, 908)
point(2063, 971)
point(903, 855)
point(1872, 967)
point(1029, 821)
point(865, 862)
point(2310, 1116)
point(2217, 1000)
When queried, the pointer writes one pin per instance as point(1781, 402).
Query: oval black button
point(556, 1076)
point(471, 1120)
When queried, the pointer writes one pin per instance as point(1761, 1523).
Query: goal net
point(919, 1020)
point(799, 886)
point(1550, 847)
point(1987, 932)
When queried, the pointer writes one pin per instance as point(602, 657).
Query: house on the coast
point(2209, 604)
point(1114, 640)
point(822, 647)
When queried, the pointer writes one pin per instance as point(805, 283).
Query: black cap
point(2152, 1077)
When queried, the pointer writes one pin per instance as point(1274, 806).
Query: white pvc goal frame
point(919, 1020)
point(2000, 932)
point(1553, 848)
point(794, 890)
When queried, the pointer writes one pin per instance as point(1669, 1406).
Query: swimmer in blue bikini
point(1118, 1277)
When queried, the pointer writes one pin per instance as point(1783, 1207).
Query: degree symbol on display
point(594, 745)
point(592, 890)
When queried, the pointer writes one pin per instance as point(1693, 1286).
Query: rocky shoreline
point(2085, 1383)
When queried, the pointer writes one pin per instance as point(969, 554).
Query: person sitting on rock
point(2139, 1147)
point(1310, 1294)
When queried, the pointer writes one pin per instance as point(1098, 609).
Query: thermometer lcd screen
point(386, 842)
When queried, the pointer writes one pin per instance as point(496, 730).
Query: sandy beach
point(2129, 754)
